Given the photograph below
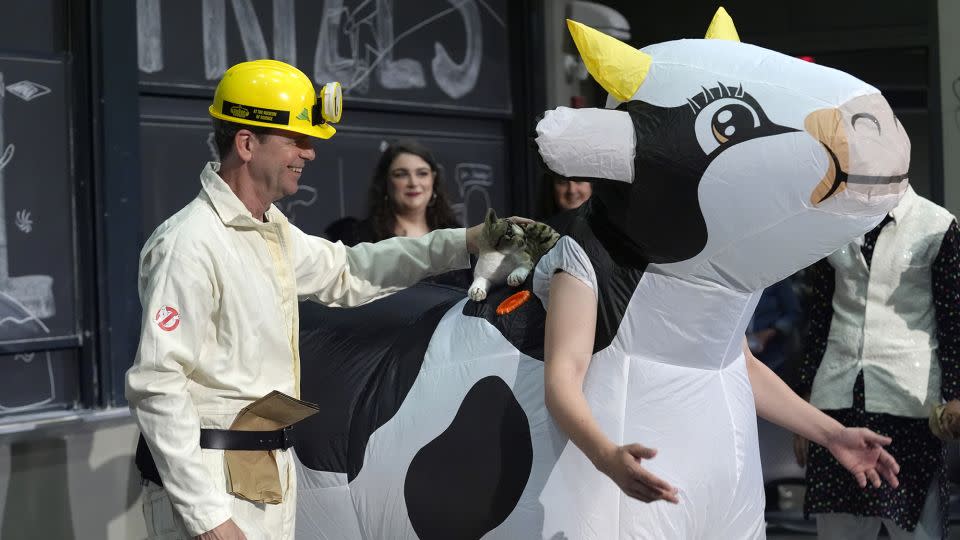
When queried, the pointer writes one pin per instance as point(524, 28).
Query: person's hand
point(950, 419)
point(473, 238)
point(945, 420)
point(622, 465)
point(801, 450)
point(519, 220)
point(227, 530)
point(861, 452)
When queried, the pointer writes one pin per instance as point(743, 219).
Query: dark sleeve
point(946, 305)
point(821, 282)
point(348, 230)
point(461, 279)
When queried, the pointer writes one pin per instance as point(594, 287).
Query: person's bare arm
point(858, 449)
point(568, 348)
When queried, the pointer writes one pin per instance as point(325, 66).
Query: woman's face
point(410, 183)
point(570, 194)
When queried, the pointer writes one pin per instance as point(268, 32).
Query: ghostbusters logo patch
point(167, 318)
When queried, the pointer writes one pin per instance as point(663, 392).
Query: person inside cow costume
point(718, 169)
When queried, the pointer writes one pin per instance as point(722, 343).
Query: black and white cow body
point(496, 443)
point(724, 169)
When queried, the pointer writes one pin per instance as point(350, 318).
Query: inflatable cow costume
point(719, 168)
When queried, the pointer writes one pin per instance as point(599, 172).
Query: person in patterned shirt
point(881, 351)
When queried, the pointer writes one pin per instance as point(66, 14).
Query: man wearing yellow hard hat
point(219, 283)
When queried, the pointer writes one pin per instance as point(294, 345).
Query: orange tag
point(512, 302)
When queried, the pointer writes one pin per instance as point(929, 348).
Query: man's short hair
point(224, 132)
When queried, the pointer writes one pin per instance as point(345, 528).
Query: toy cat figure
point(508, 251)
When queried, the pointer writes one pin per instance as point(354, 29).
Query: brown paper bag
point(253, 474)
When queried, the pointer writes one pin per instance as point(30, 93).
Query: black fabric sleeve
point(347, 230)
point(946, 304)
point(821, 279)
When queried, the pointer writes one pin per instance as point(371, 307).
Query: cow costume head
point(712, 151)
point(718, 168)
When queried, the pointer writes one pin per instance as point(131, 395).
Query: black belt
point(228, 439)
point(220, 439)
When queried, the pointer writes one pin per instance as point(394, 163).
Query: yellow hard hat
point(274, 94)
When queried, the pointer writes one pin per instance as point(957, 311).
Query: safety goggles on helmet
point(329, 105)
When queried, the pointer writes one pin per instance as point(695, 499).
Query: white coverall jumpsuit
point(219, 291)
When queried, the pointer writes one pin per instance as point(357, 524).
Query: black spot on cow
point(464, 483)
point(358, 365)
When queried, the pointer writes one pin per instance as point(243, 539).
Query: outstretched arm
point(568, 347)
point(858, 449)
point(336, 275)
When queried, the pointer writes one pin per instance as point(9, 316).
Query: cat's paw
point(517, 277)
point(477, 294)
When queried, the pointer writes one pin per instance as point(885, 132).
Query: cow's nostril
point(865, 116)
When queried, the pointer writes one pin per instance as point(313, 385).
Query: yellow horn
point(619, 68)
point(721, 27)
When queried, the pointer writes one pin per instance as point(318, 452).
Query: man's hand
point(227, 530)
point(861, 452)
point(473, 238)
point(945, 420)
point(520, 220)
point(622, 465)
point(473, 233)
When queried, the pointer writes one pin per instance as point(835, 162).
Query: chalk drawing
point(149, 36)
point(23, 221)
point(30, 297)
point(305, 197)
point(369, 29)
point(473, 182)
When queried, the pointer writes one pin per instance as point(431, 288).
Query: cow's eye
point(724, 121)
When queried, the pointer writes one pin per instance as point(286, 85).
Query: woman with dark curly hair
point(407, 197)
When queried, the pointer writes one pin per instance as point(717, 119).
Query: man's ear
point(243, 144)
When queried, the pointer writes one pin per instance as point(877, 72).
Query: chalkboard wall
point(41, 323)
point(35, 27)
point(433, 53)
point(104, 131)
point(434, 70)
point(37, 270)
point(176, 143)
point(38, 380)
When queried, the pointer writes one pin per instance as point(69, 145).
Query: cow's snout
point(868, 149)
